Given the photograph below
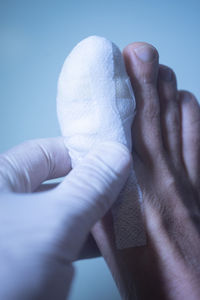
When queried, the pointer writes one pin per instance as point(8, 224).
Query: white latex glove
point(42, 233)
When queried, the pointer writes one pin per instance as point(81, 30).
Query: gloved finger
point(90, 189)
point(24, 167)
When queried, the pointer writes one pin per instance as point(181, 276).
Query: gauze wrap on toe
point(95, 104)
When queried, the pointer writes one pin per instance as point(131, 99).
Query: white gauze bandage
point(95, 103)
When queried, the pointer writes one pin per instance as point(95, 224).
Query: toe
point(141, 61)
point(190, 115)
point(170, 114)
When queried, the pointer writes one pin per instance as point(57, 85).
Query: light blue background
point(35, 38)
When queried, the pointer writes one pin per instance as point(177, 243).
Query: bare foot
point(166, 153)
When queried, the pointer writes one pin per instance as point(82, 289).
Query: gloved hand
point(42, 233)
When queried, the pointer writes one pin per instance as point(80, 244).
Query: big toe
point(141, 61)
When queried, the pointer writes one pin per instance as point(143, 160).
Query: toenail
point(146, 53)
point(165, 74)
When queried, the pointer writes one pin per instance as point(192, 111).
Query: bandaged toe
point(95, 104)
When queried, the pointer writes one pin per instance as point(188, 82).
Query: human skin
point(166, 155)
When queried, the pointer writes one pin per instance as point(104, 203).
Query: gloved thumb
point(91, 188)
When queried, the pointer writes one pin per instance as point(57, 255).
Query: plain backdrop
point(35, 38)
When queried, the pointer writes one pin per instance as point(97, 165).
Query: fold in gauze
point(95, 103)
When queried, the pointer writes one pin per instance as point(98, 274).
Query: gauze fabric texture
point(95, 103)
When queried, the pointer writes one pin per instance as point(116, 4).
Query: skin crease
point(166, 155)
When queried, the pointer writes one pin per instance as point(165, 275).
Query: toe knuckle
point(151, 112)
